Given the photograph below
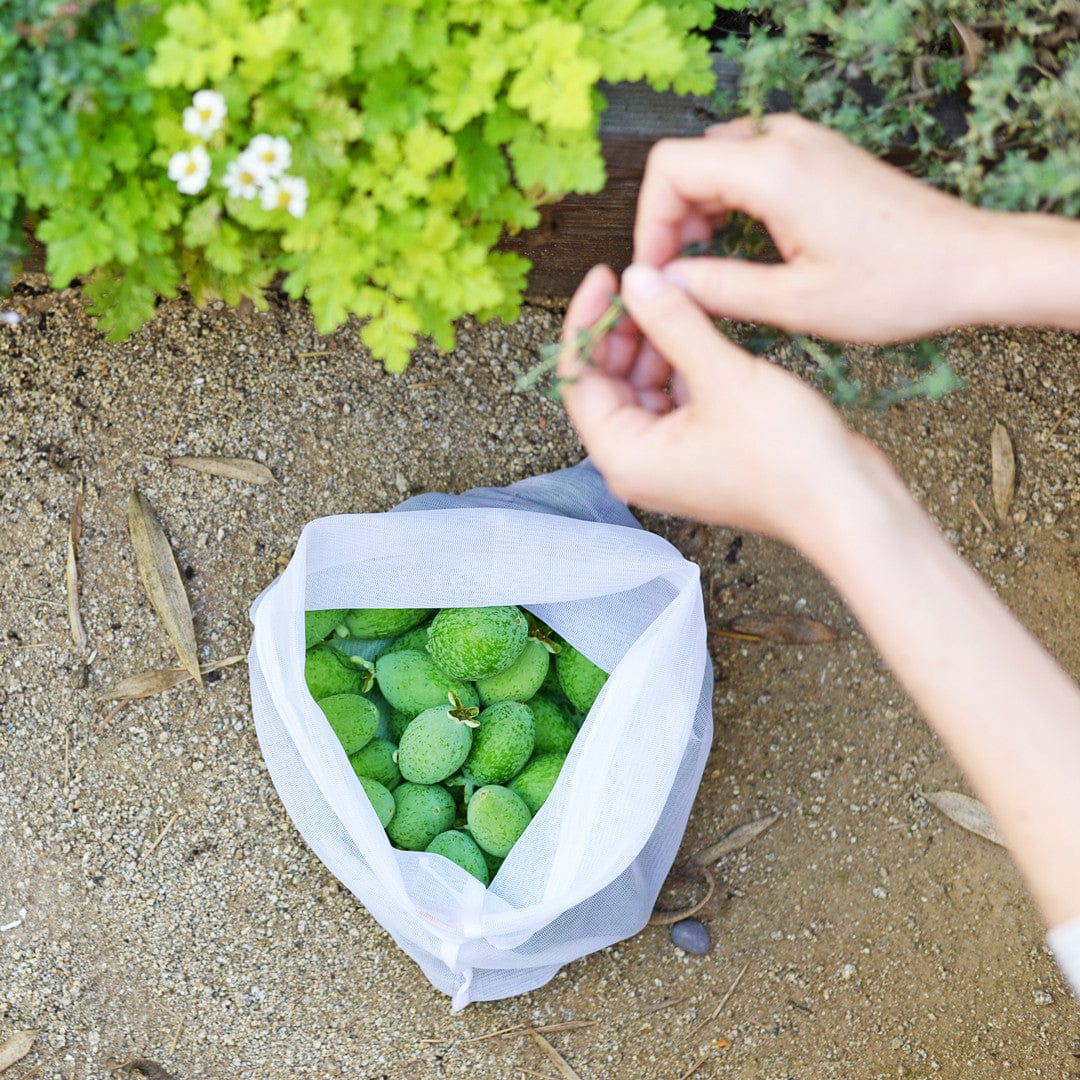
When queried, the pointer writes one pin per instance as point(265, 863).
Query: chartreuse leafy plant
point(369, 155)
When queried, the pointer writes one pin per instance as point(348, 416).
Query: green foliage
point(980, 97)
point(420, 130)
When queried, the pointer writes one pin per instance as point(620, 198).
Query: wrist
point(1020, 269)
point(856, 507)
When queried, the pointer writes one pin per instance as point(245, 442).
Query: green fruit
point(376, 762)
point(396, 723)
point(520, 680)
point(319, 625)
point(415, 639)
point(383, 622)
point(412, 682)
point(353, 718)
point(535, 781)
point(436, 743)
point(579, 678)
point(327, 672)
point(422, 811)
point(493, 863)
point(381, 799)
point(501, 745)
point(460, 848)
point(554, 731)
point(497, 817)
point(476, 643)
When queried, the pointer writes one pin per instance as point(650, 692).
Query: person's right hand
point(870, 254)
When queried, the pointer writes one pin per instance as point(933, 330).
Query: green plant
point(981, 97)
point(414, 134)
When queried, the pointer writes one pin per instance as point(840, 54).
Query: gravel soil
point(155, 900)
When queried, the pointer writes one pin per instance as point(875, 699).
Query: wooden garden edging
point(583, 230)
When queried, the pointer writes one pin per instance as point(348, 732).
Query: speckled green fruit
point(436, 743)
point(422, 811)
point(497, 817)
point(318, 625)
point(553, 730)
point(501, 744)
point(493, 864)
point(535, 781)
point(396, 723)
point(415, 639)
point(327, 672)
point(376, 762)
point(383, 622)
point(579, 678)
point(412, 682)
point(476, 643)
point(353, 718)
point(460, 848)
point(520, 680)
point(381, 799)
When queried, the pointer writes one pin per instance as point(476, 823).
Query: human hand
point(870, 254)
point(677, 418)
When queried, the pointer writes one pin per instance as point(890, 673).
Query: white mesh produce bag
point(587, 870)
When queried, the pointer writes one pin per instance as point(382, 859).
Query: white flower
point(190, 169)
point(205, 114)
point(268, 156)
point(289, 193)
point(241, 179)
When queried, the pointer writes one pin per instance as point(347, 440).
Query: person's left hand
point(678, 418)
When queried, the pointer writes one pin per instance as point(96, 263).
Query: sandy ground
point(155, 900)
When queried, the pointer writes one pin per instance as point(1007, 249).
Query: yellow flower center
point(206, 115)
point(190, 168)
point(283, 199)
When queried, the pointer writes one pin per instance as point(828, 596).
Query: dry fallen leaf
point(232, 468)
point(784, 629)
point(974, 46)
point(15, 1048)
point(669, 916)
point(71, 574)
point(561, 1064)
point(148, 683)
point(737, 838)
point(161, 580)
point(967, 812)
point(1002, 470)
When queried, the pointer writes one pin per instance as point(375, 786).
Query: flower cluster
point(258, 172)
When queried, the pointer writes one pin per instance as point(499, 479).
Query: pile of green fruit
point(456, 721)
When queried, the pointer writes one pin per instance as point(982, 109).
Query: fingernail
point(642, 282)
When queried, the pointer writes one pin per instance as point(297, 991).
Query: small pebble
point(691, 936)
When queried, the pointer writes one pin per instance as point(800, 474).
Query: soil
point(156, 902)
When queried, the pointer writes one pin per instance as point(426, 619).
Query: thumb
point(768, 293)
point(681, 331)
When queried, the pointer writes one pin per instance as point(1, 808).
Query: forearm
point(1006, 712)
point(1023, 270)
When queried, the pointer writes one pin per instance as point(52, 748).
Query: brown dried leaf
point(784, 629)
point(668, 916)
point(161, 580)
point(974, 46)
point(967, 812)
point(15, 1048)
point(148, 683)
point(1002, 470)
point(232, 468)
point(71, 574)
point(553, 1055)
point(734, 840)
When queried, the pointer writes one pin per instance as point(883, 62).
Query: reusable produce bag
point(587, 870)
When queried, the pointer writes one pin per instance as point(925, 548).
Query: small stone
point(1042, 997)
point(691, 935)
